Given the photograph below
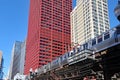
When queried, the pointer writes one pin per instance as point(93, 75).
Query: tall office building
point(1, 66)
point(88, 19)
point(17, 59)
point(48, 31)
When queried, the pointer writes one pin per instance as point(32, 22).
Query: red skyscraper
point(48, 31)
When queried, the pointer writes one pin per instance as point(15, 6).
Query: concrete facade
point(89, 19)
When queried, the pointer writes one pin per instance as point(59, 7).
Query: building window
point(93, 42)
point(106, 35)
point(100, 39)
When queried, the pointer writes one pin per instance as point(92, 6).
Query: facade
point(17, 60)
point(1, 66)
point(22, 57)
point(48, 31)
point(88, 19)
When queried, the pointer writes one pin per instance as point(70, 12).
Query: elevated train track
point(100, 55)
point(106, 61)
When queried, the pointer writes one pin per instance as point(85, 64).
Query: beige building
point(88, 19)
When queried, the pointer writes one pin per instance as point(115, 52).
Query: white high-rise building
point(17, 60)
point(88, 19)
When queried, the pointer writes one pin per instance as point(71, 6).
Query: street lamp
point(33, 74)
point(36, 73)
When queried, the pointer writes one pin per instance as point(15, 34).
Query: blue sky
point(14, 23)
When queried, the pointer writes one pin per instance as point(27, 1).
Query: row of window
point(100, 38)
